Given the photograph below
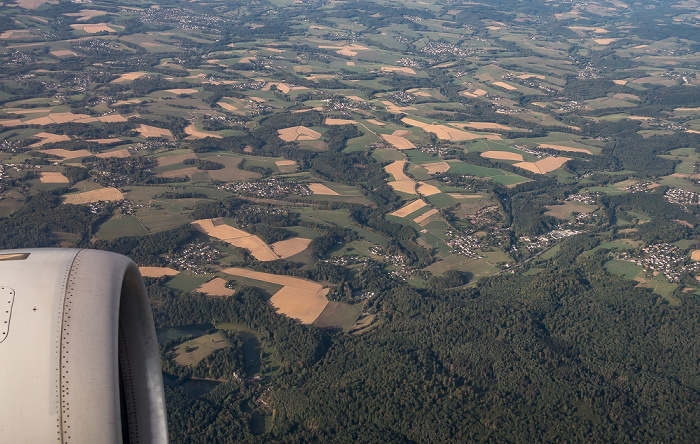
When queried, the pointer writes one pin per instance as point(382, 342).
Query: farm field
point(378, 181)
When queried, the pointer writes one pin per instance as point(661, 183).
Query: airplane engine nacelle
point(79, 359)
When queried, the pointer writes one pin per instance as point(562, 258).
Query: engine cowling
point(79, 358)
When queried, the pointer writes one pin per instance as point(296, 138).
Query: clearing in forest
point(215, 287)
point(194, 350)
point(289, 247)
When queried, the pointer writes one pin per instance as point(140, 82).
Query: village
point(663, 258)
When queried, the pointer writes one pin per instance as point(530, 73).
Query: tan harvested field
point(409, 208)
point(398, 69)
point(504, 85)
point(425, 215)
point(67, 154)
point(437, 167)
point(103, 194)
point(48, 138)
point(201, 347)
point(280, 163)
point(319, 188)
point(153, 131)
point(175, 158)
point(457, 135)
point(129, 76)
point(299, 298)
point(543, 166)
point(695, 255)
point(502, 155)
point(227, 106)
point(604, 41)
point(340, 122)
point(182, 91)
point(396, 170)
point(299, 304)
point(93, 28)
point(33, 4)
point(156, 272)
point(13, 33)
point(218, 229)
point(194, 133)
point(215, 287)
point(53, 178)
point(112, 118)
point(398, 142)
point(620, 82)
point(563, 148)
point(298, 133)
point(530, 76)
point(346, 50)
point(290, 247)
point(51, 119)
point(414, 122)
point(397, 109)
point(123, 153)
point(447, 132)
point(402, 133)
point(63, 52)
point(405, 186)
point(425, 189)
point(375, 122)
point(85, 14)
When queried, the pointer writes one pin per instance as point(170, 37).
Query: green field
point(623, 268)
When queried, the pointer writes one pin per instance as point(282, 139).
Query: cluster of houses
point(539, 242)
point(682, 197)
point(661, 258)
point(194, 256)
point(270, 188)
point(401, 271)
point(466, 245)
